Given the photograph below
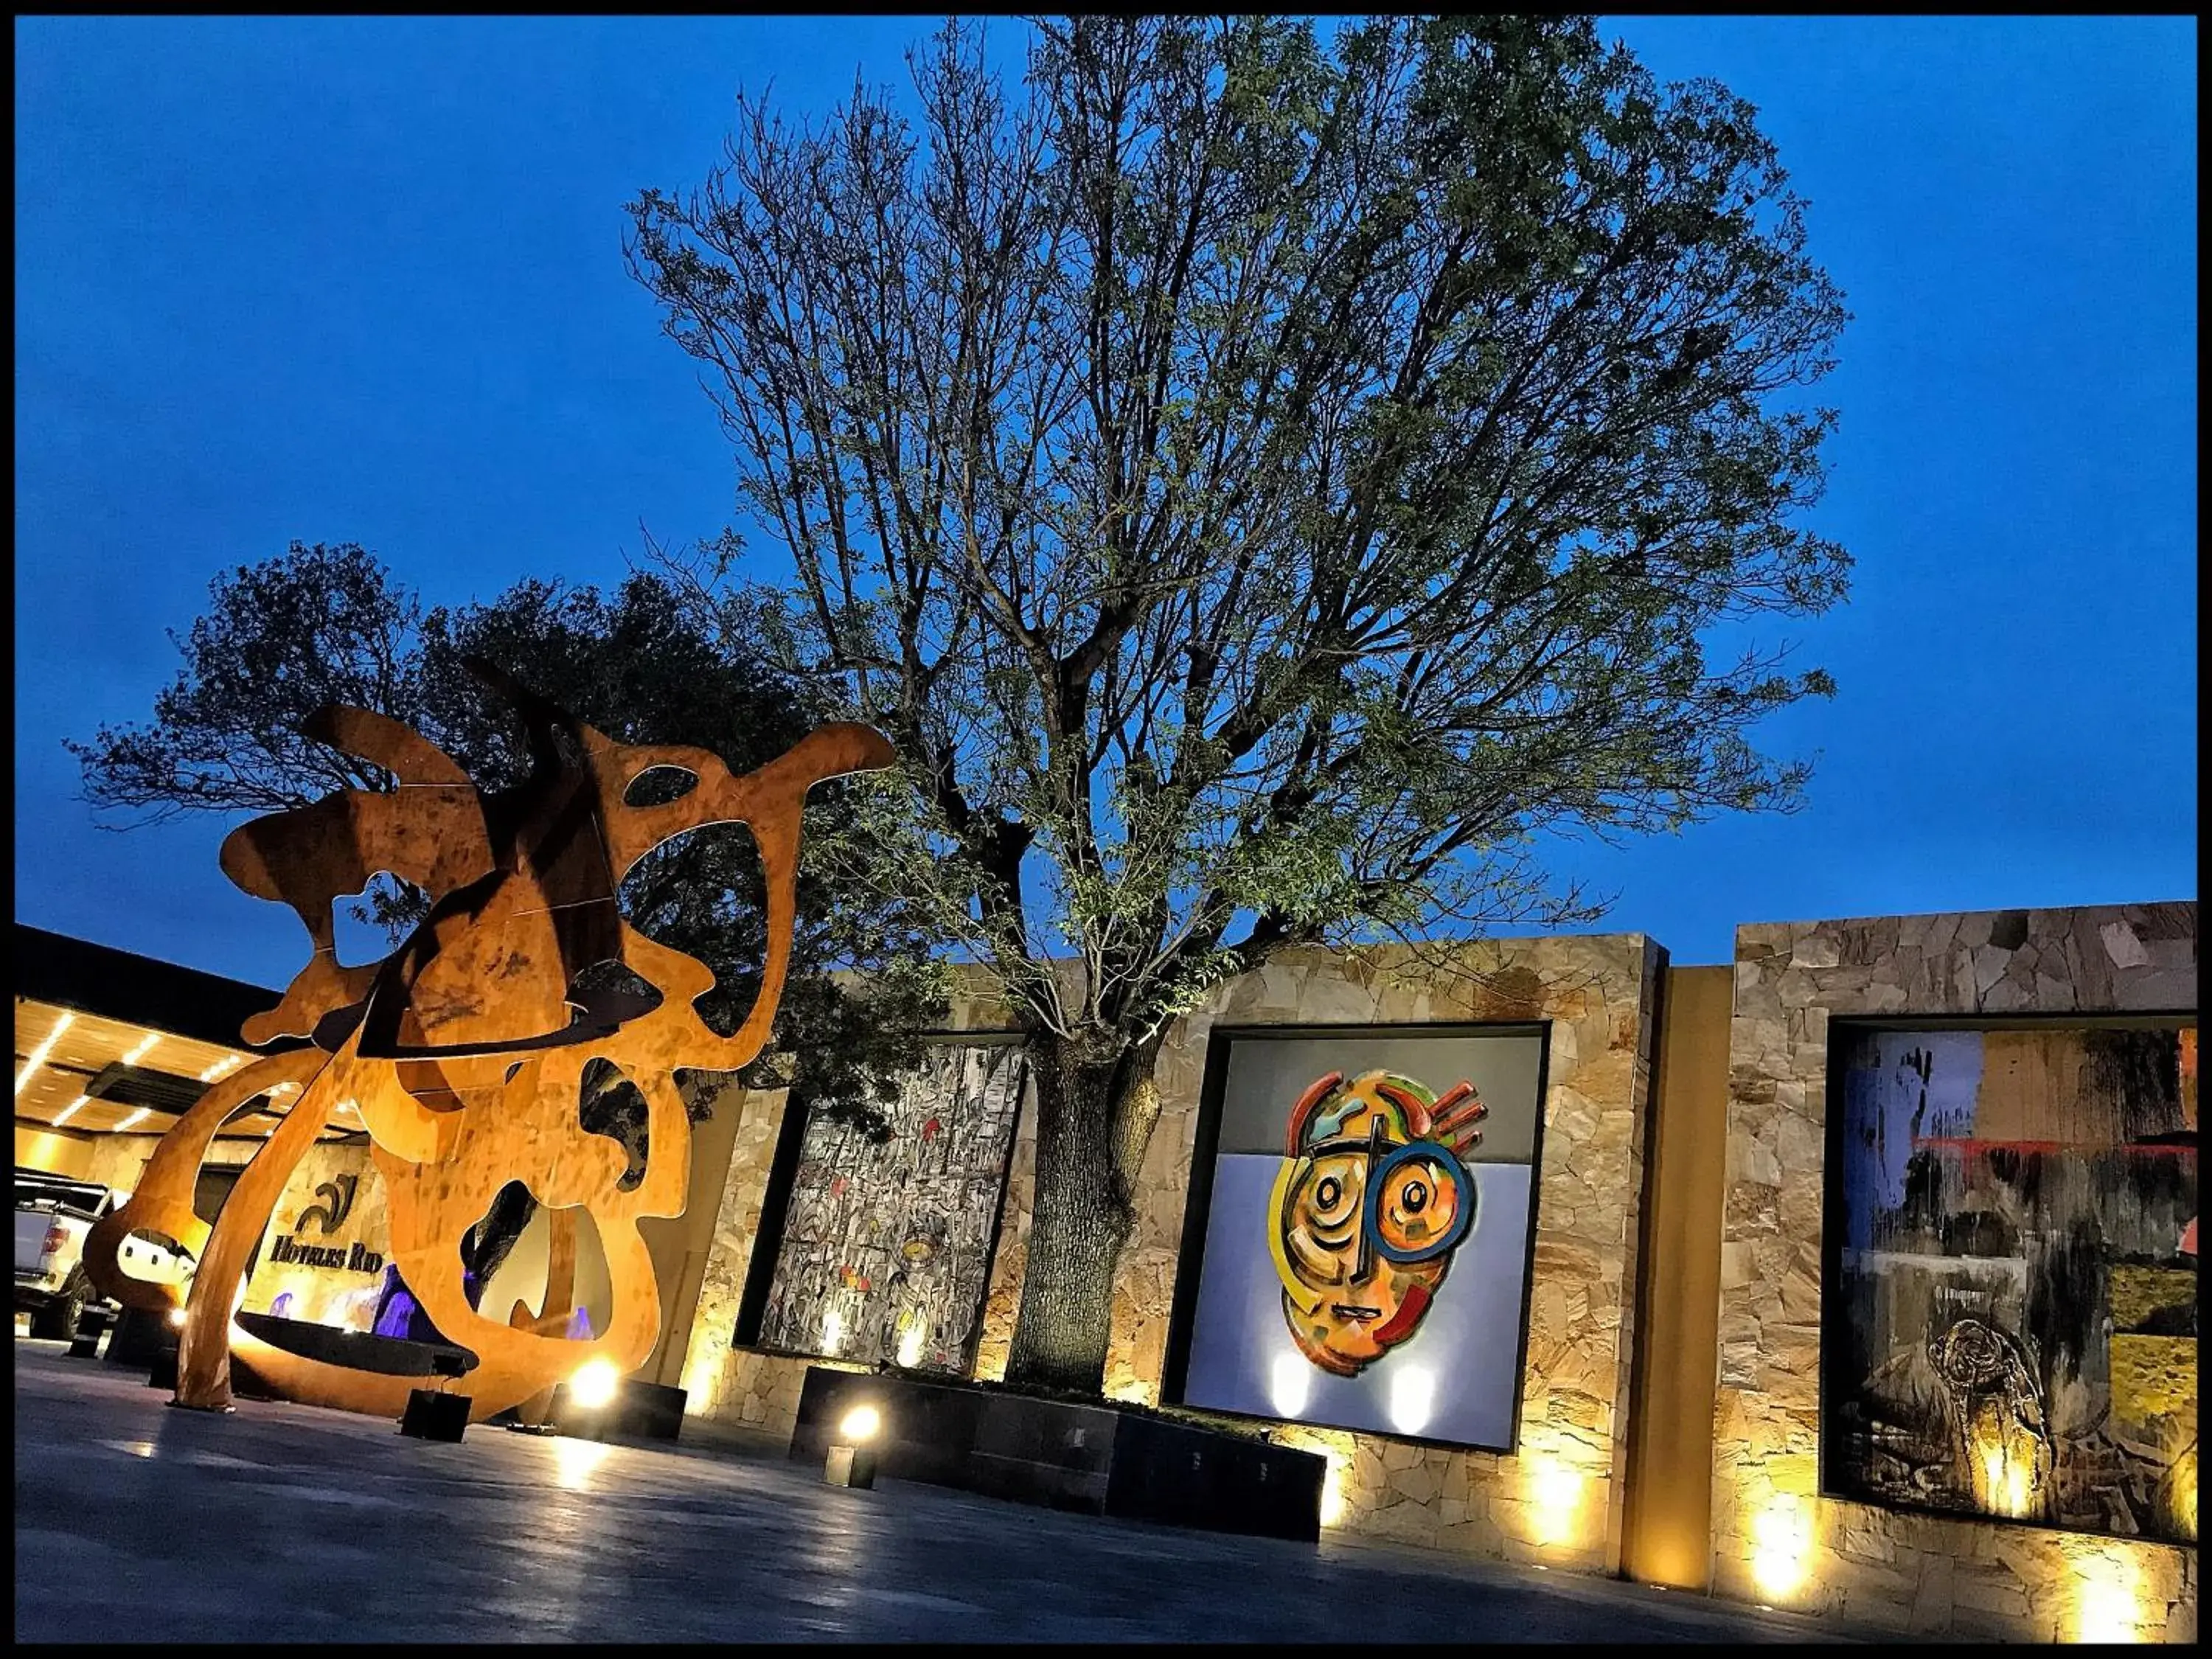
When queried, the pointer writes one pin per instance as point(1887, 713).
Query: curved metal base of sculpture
point(464, 1051)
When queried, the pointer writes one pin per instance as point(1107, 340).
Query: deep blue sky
point(361, 280)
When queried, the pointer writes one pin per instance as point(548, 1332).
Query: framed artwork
point(2009, 1322)
point(884, 1246)
point(1362, 1219)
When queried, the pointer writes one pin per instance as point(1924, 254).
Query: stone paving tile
point(280, 1522)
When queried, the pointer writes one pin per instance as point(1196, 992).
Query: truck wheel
point(60, 1316)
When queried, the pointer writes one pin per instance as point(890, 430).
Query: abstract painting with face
point(1372, 1201)
point(1353, 1173)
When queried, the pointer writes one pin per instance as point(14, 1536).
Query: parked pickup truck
point(53, 1216)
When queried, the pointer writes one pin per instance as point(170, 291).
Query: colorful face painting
point(1373, 1200)
point(1347, 1173)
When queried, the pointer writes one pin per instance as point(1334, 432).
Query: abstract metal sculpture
point(464, 1051)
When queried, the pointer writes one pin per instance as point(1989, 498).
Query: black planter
point(1096, 1458)
point(431, 1415)
point(651, 1411)
point(393, 1356)
point(643, 1410)
point(139, 1336)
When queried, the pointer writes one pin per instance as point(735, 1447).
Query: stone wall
point(1558, 1500)
point(1775, 1539)
point(1011, 1257)
point(53, 1153)
point(118, 1162)
point(739, 1389)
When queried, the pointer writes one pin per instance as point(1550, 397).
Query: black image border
point(1844, 1030)
point(1197, 1208)
point(783, 1176)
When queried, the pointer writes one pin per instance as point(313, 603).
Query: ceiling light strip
point(37, 1055)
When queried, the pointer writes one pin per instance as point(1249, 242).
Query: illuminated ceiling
point(86, 1074)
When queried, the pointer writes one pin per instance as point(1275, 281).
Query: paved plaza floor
point(280, 1523)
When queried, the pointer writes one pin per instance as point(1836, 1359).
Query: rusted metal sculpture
point(464, 1051)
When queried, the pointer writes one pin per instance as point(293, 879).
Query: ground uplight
point(861, 1424)
point(594, 1383)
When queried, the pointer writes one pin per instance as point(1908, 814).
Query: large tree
point(327, 625)
point(1259, 483)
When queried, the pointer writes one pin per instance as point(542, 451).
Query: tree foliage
point(325, 624)
point(1262, 484)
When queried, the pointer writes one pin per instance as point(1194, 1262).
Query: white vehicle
point(53, 1216)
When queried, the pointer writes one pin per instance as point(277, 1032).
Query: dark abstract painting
point(886, 1249)
point(2011, 1318)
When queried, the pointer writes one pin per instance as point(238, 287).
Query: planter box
point(1096, 1458)
point(646, 1411)
point(392, 1356)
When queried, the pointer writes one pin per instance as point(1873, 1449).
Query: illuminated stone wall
point(722, 1385)
point(1776, 1540)
point(118, 1162)
point(1558, 1500)
point(52, 1154)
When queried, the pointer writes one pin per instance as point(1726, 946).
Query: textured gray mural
point(886, 1251)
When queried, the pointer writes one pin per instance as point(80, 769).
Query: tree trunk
point(1095, 1107)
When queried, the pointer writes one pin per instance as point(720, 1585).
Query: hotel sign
point(337, 1196)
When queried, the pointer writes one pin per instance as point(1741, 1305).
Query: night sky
point(361, 280)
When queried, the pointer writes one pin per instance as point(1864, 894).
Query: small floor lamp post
point(851, 1460)
point(163, 1372)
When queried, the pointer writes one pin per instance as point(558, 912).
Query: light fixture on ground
point(851, 1460)
point(1781, 1540)
point(585, 1405)
point(1555, 1490)
point(162, 1365)
point(595, 1384)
